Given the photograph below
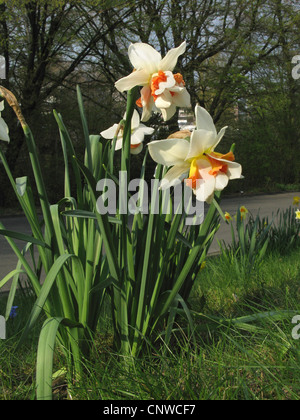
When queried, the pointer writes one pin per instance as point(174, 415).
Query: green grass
point(222, 362)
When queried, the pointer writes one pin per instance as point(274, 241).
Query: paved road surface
point(264, 204)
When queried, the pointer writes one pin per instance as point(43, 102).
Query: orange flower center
point(218, 166)
point(179, 79)
point(139, 102)
point(135, 146)
point(156, 81)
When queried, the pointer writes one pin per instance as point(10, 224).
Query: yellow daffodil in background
point(207, 170)
point(138, 132)
point(297, 214)
point(162, 90)
point(243, 212)
point(228, 216)
point(3, 127)
point(203, 265)
point(296, 201)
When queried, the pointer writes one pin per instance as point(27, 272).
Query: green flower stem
point(39, 180)
point(125, 240)
point(195, 252)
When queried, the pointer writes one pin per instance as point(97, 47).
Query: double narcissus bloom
point(162, 90)
point(3, 127)
point(205, 170)
point(138, 132)
point(297, 214)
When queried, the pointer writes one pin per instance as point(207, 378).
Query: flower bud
point(182, 134)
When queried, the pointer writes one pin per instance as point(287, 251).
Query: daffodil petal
point(4, 131)
point(136, 78)
point(234, 170)
point(164, 100)
point(144, 57)
point(169, 152)
point(147, 102)
point(3, 126)
point(201, 141)
point(110, 132)
point(182, 99)
point(147, 130)
point(135, 121)
point(205, 188)
point(221, 181)
point(220, 136)
point(174, 177)
point(137, 150)
point(119, 143)
point(204, 120)
point(168, 113)
point(147, 112)
point(169, 83)
point(171, 58)
point(137, 137)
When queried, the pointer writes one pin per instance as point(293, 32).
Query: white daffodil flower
point(206, 170)
point(3, 126)
point(138, 132)
point(162, 90)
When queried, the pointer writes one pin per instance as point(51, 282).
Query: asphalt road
point(265, 205)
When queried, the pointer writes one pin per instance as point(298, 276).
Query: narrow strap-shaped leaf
point(63, 278)
point(14, 284)
point(88, 215)
point(64, 133)
point(22, 237)
point(205, 229)
point(103, 223)
point(10, 275)
point(44, 293)
point(44, 364)
point(44, 201)
point(31, 275)
point(85, 129)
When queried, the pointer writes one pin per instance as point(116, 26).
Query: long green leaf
point(9, 276)
point(84, 214)
point(44, 364)
point(103, 223)
point(15, 281)
point(85, 130)
point(71, 152)
point(31, 275)
point(22, 237)
point(44, 293)
point(202, 239)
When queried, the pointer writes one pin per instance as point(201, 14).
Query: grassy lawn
point(256, 361)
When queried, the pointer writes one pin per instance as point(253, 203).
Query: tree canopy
point(238, 65)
